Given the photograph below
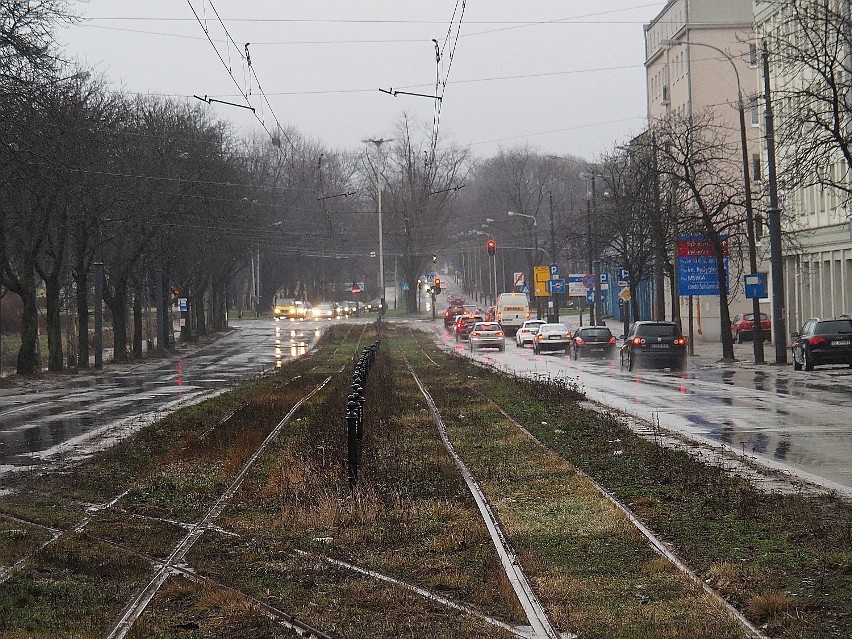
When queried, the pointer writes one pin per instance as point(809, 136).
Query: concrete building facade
point(686, 78)
point(817, 225)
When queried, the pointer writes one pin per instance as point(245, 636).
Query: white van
point(513, 309)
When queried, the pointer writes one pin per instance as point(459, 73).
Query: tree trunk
point(137, 320)
point(82, 296)
point(118, 307)
point(28, 359)
point(53, 293)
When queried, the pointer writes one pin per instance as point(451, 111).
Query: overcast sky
point(564, 77)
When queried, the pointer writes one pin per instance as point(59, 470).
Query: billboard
point(696, 265)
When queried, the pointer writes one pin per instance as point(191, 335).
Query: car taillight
point(500, 333)
point(579, 340)
point(612, 340)
point(638, 341)
point(475, 334)
point(528, 314)
point(816, 341)
point(680, 341)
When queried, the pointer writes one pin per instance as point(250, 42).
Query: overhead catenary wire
point(246, 58)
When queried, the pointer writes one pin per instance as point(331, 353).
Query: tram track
point(541, 626)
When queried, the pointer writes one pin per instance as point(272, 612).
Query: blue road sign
point(405, 286)
point(623, 275)
point(554, 271)
point(755, 286)
point(604, 278)
point(556, 286)
point(589, 280)
point(590, 296)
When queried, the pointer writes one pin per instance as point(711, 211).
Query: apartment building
point(817, 221)
point(696, 52)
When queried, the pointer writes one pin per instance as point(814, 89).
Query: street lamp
point(378, 144)
point(535, 254)
point(757, 333)
point(594, 264)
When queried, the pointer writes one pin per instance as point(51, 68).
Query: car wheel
point(576, 353)
point(807, 362)
point(681, 364)
point(535, 348)
point(739, 338)
point(630, 361)
point(797, 366)
point(501, 348)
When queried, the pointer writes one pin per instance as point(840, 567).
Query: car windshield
point(657, 330)
point(830, 327)
point(554, 328)
point(749, 317)
point(487, 326)
point(595, 332)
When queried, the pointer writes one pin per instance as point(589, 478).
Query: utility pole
point(555, 296)
point(378, 144)
point(779, 324)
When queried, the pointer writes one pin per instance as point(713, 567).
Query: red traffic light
point(491, 245)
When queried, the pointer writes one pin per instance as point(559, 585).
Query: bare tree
point(697, 155)
point(421, 183)
point(629, 214)
point(810, 47)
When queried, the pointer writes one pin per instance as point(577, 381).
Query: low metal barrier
point(355, 409)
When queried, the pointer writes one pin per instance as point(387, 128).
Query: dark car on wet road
point(822, 341)
point(596, 341)
point(654, 344)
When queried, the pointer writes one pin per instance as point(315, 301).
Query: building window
point(752, 55)
point(755, 115)
point(755, 167)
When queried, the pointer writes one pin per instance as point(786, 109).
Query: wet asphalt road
point(794, 421)
point(42, 418)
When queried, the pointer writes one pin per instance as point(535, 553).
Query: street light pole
point(774, 214)
point(553, 257)
point(378, 144)
point(757, 333)
point(535, 254)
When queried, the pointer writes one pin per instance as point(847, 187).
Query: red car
point(742, 327)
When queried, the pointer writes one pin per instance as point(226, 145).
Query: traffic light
point(491, 245)
point(436, 287)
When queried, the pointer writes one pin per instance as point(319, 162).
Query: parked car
point(526, 333)
point(464, 325)
point(552, 337)
point(592, 340)
point(658, 344)
point(487, 334)
point(742, 327)
point(822, 341)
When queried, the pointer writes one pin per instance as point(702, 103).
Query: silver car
point(552, 337)
point(487, 334)
point(526, 333)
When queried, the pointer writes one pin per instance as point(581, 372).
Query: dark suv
point(822, 341)
point(592, 340)
point(657, 344)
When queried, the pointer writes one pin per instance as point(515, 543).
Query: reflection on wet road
point(790, 420)
point(34, 421)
